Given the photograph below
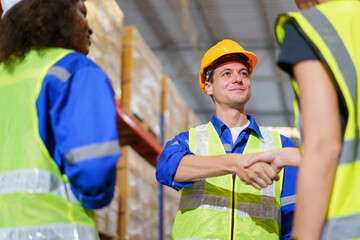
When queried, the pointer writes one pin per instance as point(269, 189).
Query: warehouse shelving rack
point(132, 132)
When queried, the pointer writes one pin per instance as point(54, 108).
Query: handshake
point(261, 169)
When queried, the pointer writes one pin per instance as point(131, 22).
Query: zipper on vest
point(233, 207)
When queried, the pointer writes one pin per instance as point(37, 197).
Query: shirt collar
point(220, 126)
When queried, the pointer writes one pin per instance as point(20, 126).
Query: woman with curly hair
point(59, 144)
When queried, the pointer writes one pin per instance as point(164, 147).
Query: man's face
point(81, 41)
point(231, 85)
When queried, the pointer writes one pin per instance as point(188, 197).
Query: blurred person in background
point(207, 161)
point(59, 144)
point(320, 49)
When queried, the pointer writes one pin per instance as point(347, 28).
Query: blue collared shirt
point(177, 148)
point(78, 125)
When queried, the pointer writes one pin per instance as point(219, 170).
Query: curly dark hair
point(36, 24)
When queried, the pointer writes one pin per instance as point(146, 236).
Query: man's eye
point(244, 74)
point(226, 73)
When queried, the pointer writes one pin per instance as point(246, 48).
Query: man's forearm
point(192, 167)
point(289, 157)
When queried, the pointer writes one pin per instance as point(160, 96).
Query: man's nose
point(237, 78)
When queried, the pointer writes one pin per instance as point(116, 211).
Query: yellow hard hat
point(225, 47)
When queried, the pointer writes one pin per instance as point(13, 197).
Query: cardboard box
point(174, 109)
point(106, 20)
point(141, 80)
point(139, 197)
point(107, 218)
point(134, 228)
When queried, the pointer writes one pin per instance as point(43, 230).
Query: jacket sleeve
point(83, 122)
point(288, 196)
point(169, 160)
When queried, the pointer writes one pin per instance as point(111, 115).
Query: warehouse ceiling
point(180, 31)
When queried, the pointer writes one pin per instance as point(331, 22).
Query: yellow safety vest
point(337, 41)
point(36, 201)
point(223, 207)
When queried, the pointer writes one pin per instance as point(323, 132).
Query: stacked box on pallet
point(170, 207)
point(174, 109)
point(141, 80)
point(107, 217)
point(192, 119)
point(100, 220)
point(106, 20)
point(139, 197)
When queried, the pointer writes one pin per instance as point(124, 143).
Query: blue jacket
point(78, 120)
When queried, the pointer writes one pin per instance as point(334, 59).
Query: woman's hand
point(277, 158)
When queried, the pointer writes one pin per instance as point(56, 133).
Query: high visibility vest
point(223, 207)
point(36, 201)
point(333, 29)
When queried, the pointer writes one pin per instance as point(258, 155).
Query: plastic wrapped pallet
point(174, 109)
point(107, 217)
point(191, 119)
point(141, 80)
point(170, 205)
point(139, 197)
point(106, 20)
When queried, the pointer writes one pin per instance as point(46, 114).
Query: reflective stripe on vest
point(336, 42)
point(338, 228)
point(265, 209)
point(330, 37)
point(202, 140)
point(49, 232)
point(35, 181)
point(205, 201)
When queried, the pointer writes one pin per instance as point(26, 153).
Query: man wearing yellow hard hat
point(220, 198)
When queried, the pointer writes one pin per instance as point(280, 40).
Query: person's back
point(55, 168)
point(326, 81)
point(33, 184)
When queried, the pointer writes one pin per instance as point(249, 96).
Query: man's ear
point(209, 88)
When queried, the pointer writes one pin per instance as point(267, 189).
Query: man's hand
point(259, 175)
